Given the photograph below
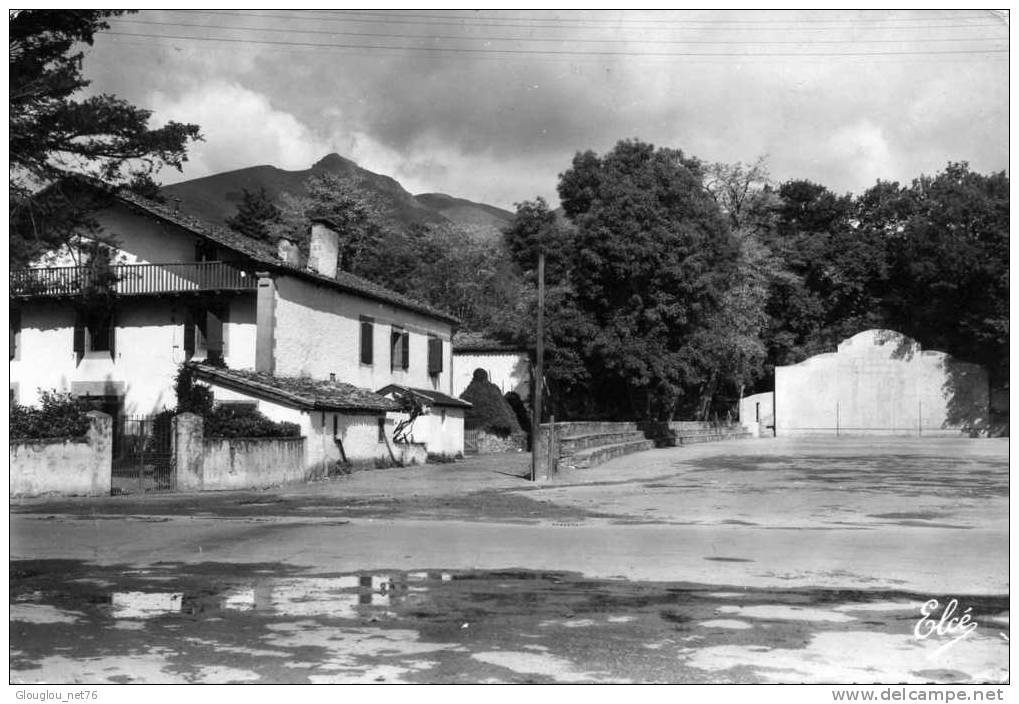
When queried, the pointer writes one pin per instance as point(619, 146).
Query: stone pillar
point(100, 440)
point(265, 324)
point(188, 451)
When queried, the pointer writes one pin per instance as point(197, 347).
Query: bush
point(59, 415)
point(232, 421)
point(489, 410)
point(192, 396)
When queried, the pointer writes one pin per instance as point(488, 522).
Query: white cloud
point(241, 129)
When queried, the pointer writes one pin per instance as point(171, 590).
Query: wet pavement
point(212, 622)
point(743, 562)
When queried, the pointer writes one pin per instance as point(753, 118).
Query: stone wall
point(205, 464)
point(64, 466)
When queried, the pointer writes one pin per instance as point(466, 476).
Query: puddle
point(223, 623)
point(42, 613)
point(786, 613)
point(145, 604)
point(862, 657)
point(726, 623)
point(534, 664)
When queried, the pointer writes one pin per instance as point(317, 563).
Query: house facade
point(179, 290)
point(508, 366)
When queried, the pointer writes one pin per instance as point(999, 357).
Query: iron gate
point(142, 454)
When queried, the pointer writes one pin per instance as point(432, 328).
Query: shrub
point(489, 410)
point(59, 415)
point(232, 421)
point(192, 396)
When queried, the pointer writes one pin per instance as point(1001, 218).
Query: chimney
point(288, 252)
point(325, 247)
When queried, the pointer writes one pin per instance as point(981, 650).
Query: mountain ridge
point(215, 197)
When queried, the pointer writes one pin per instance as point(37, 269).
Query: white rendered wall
point(318, 333)
point(149, 349)
point(510, 371)
point(879, 382)
point(441, 434)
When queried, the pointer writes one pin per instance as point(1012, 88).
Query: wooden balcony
point(131, 279)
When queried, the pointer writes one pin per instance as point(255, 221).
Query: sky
point(492, 105)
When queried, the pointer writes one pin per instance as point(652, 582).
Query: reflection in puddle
point(346, 596)
point(145, 604)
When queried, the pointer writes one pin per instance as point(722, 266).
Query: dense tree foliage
point(634, 278)
point(676, 288)
point(254, 214)
point(54, 132)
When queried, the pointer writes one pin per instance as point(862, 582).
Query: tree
point(743, 192)
point(353, 212)
point(654, 256)
point(949, 266)
point(53, 133)
point(254, 214)
point(811, 228)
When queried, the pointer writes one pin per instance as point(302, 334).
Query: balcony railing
point(131, 279)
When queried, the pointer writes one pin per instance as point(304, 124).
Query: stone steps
point(569, 445)
point(687, 438)
point(592, 456)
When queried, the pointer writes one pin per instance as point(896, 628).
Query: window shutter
point(15, 328)
point(111, 335)
point(189, 333)
point(79, 336)
point(367, 341)
point(405, 344)
point(395, 349)
point(434, 355)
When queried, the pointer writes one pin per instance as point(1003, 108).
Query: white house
point(183, 290)
point(508, 366)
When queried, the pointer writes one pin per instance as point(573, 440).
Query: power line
point(561, 52)
point(328, 32)
point(625, 20)
point(306, 17)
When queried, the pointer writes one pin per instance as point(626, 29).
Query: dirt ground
point(741, 561)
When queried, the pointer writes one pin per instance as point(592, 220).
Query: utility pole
point(539, 372)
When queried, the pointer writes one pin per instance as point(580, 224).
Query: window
point(15, 330)
point(399, 349)
point(203, 333)
point(367, 340)
point(434, 355)
point(94, 331)
point(382, 429)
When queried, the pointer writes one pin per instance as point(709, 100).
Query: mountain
point(215, 198)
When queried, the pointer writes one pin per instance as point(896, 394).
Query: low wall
point(64, 466)
point(204, 464)
point(249, 463)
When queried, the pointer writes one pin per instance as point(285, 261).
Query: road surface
point(741, 561)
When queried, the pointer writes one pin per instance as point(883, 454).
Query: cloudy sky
point(492, 105)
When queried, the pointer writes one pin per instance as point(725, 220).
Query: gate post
point(100, 441)
point(188, 451)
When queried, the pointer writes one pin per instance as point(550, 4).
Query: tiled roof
point(300, 392)
point(479, 342)
point(429, 397)
point(264, 253)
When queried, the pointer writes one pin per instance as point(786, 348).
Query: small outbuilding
point(428, 417)
point(341, 423)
